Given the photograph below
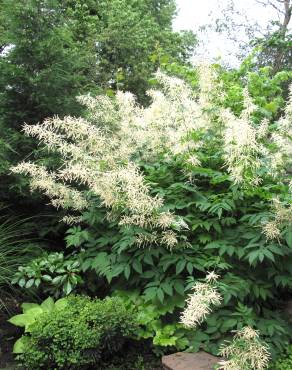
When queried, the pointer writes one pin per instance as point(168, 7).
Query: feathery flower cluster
point(61, 195)
point(282, 138)
point(245, 352)
point(200, 302)
point(243, 150)
point(282, 215)
point(100, 153)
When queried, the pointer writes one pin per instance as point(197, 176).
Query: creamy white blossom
point(282, 214)
point(246, 351)
point(201, 301)
point(212, 277)
point(99, 153)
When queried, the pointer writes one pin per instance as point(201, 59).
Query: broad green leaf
point(67, 288)
point(26, 319)
point(19, 345)
point(180, 266)
point(48, 304)
point(160, 295)
point(61, 303)
point(127, 272)
point(137, 266)
point(29, 283)
point(167, 287)
point(179, 287)
point(27, 306)
point(288, 238)
point(190, 268)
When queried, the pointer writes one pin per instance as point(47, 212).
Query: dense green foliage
point(224, 236)
point(73, 333)
point(285, 362)
point(55, 272)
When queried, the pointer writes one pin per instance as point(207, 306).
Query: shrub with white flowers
point(101, 154)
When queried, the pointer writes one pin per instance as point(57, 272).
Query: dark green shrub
point(83, 333)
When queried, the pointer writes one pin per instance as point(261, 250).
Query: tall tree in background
point(272, 39)
point(131, 36)
point(276, 46)
point(53, 50)
point(42, 69)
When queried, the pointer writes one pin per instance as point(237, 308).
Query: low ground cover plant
point(161, 195)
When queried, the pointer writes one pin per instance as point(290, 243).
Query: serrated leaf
point(150, 293)
point(190, 268)
point(167, 288)
point(160, 295)
point(228, 324)
point(179, 287)
point(252, 257)
point(148, 259)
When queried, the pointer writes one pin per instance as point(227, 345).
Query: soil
point(8, 332)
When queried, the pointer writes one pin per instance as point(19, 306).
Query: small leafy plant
point(54, 273)
point(73, 332)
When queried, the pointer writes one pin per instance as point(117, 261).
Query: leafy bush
point(72, 333)
point(196, 186)
point(31, 312)
point(255, 272)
